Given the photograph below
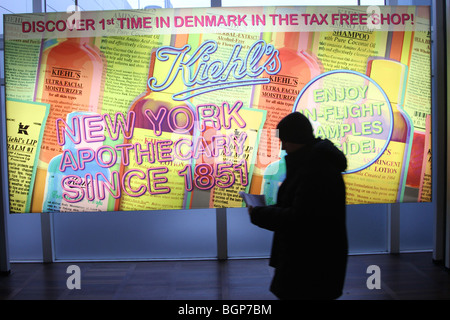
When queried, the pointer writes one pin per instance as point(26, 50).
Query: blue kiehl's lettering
point(202, 74)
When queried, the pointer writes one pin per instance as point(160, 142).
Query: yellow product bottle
point(69, 79)
point(384, 181)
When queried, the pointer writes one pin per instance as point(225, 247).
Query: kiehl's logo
point(66, 73)
point(23, 129)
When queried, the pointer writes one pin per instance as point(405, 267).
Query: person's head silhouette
point(295, 131)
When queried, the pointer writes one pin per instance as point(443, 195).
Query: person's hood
point(325, 153)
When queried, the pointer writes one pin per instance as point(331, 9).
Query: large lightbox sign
point(177, 108)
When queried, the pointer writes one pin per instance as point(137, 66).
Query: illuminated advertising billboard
point(177, 108)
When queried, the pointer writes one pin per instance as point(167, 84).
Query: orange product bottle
point(69, 79)
point(277, 97)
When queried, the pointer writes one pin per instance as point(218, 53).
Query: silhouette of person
point(309, 249)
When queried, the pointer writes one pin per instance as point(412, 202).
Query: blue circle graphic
point(389, 106)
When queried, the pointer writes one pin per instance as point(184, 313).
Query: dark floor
point(404, 276)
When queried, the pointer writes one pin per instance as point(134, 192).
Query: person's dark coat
point(309, 250)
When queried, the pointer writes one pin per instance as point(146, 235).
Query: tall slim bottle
point(391, 76)
point(384, 181)
point(69, 79)
point(277, 97)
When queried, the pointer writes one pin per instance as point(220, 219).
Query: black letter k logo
point(23, 129)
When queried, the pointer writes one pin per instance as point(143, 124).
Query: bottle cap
point(391, 76)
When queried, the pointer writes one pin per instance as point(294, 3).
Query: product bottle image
point(155, 100)
point(57, 184)
point(385, 178)
point(69, 79)
point(277, 97)
point(152, 125)
point(391, 77)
